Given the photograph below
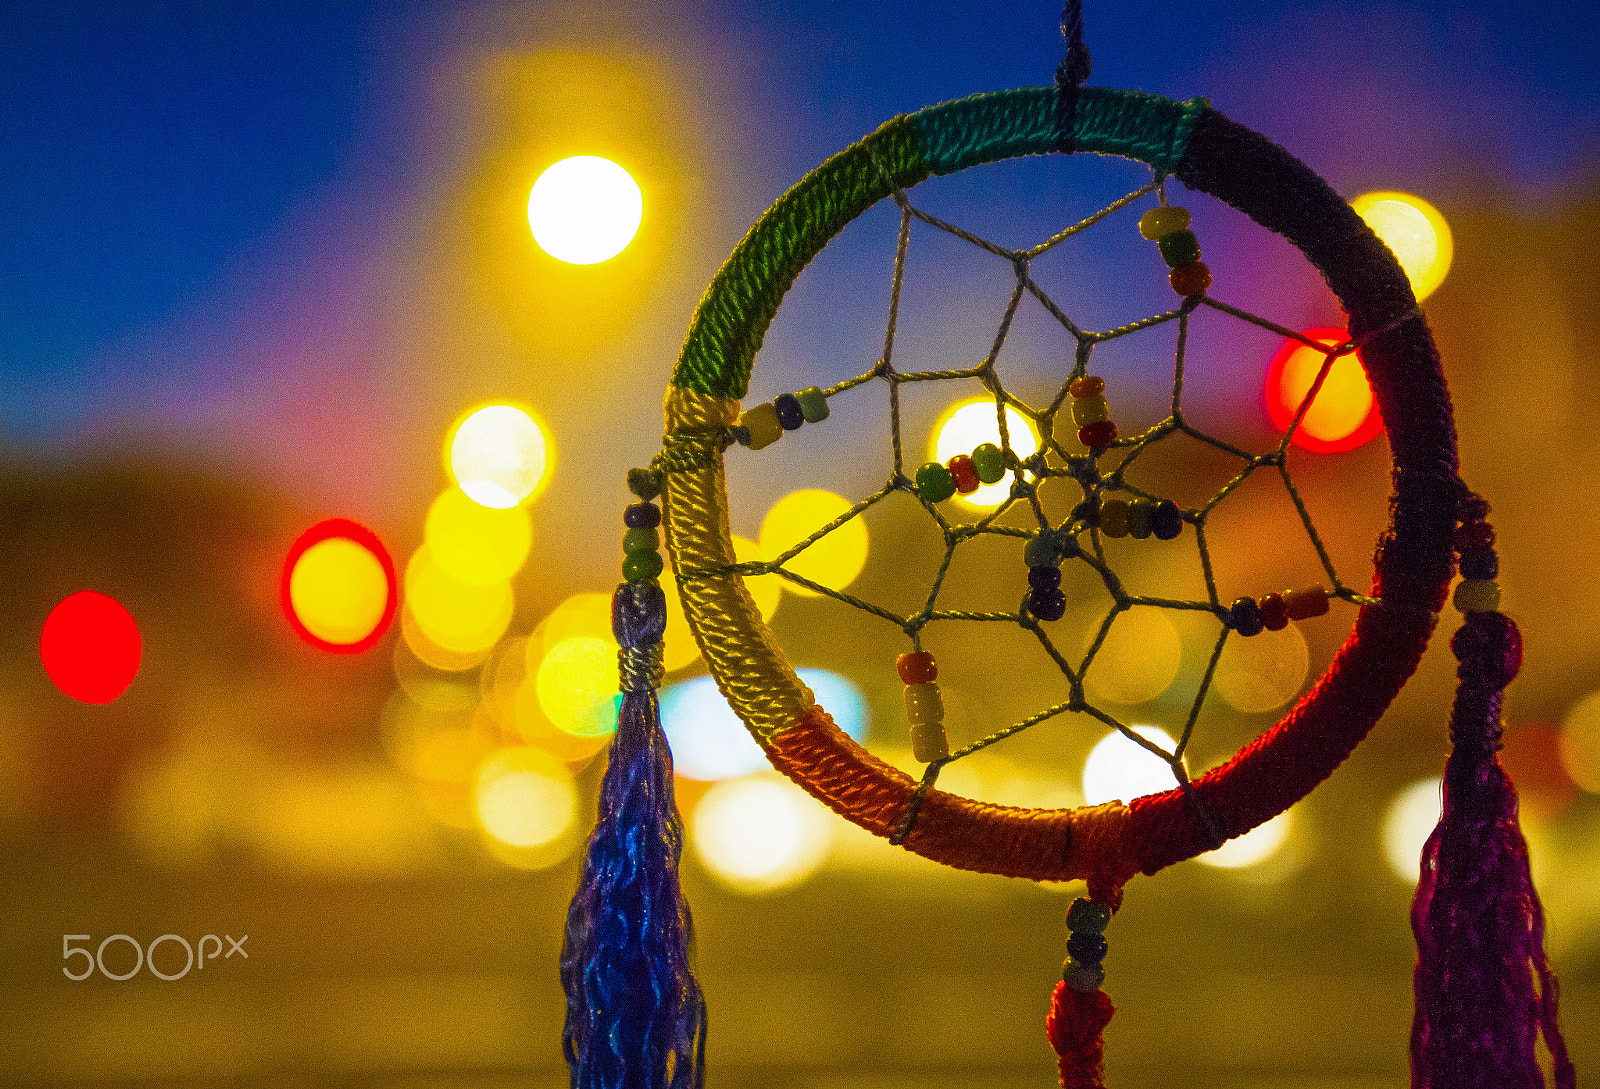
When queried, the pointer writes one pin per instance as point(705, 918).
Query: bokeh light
point(527, 806)
point(965, 426)
point(466, 618)
point(832, 561)
point(585, 209)
point(431, 654)
point(1264, 672)
point(679, 649)
point(1415, 231)
point(576, 684)
point(338, 587)
point(1138, 660)
point(477, 544)
point(1254, 847)
point(1120, 769)
point(1408, 821)
point(1344, 414)
point(499, 455)
point(1580, 743)
point(710, 742)
point(90, 647)
point(760, 833)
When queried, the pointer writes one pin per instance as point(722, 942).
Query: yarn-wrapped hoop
point(1208, 152)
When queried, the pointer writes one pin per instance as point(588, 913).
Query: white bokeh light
point(1119, 769)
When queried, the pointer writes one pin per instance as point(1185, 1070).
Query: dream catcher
point(1484, 992)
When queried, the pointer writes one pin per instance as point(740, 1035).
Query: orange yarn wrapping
point(1088, 844)
point(1074, 1026)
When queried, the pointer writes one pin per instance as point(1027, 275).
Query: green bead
point(1163, 220)
point(813, 405)
point(1114, 516)
point(990, 461)
point(1139, 518)
point(641, 540)
point(1042, 550)
point(645, 483)
point(1179, 248)
point(1088, 917)
point(639, 566)
point(935, 483)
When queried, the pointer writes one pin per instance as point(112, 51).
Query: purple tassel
point(1484, 991)
point(635, 1015)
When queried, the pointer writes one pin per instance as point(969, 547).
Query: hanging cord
point(1070, 74)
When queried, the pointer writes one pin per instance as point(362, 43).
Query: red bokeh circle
point(328, 529)
point(1281, 409)
point(90, 647)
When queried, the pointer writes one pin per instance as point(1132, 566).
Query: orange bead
point(1190, 279)
point(917, 667)
point(1304, 604)
point(1090, 385)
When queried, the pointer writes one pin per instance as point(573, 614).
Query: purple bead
point(1166, 521)
point(1044, 577)
point(1047, 604)
point(642, 516)
point(1480, 562)
point(790, 414)
point(1245, 616)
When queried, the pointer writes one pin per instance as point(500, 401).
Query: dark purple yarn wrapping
point(1484, 992)
point(635, 1015)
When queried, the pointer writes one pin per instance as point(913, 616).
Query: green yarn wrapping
point(731, 320)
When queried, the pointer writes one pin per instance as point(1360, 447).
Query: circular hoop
point(1207, 152)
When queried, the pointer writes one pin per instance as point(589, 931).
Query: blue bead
point(1047, 604)
point(1245, 616)
point(1044, 577)
point(1166, 521)
point(790, 414)
point(1480, 562)
point(642, 516)
point(1087, 949)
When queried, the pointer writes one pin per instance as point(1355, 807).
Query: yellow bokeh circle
point(1264, 672)
point(576, 683)
point(833, 560)
point(585, 209)
point(339, 590)
point(1137, 661)
point(1415, 231)
point(527, 806)
point(466, 618)
point(477, 544)
point(499, 455)
point(966, 426)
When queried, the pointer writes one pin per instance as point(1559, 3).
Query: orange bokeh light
point(1344, 414)
point(90, 647)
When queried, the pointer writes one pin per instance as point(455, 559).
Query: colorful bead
point(761, 422)
point(1480, 562)
point(1274, 612)
point(1166, 520)
point(813, 405)
point(643, 539)
point(1477, 596)
point(929, 742)
point(1088, 410)
point(1163, 220)
point(1087, 916)
point(641, 516)
point(1087, 949)
point(1090, 385)
point(935, 483)
point(1114, 516)
point(1083, 978)
point(1474, 535)
point(1179, 248)
point(1047, 604)
point(917, 667)
point(1139, 518)
point(645, 483)
point(964, 472)
point(641, 566)
point(1103, 433)
point(1190, 279)
point(924, 704)
point(990, 461)
point(1306, 603)
point(1045, 576)
point(790, 414)
point(1245, 616)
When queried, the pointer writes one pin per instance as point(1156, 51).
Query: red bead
point(917, 667)
point(1103, 433)
point(1089, 385)
point(1304, 604)
point(1190, 279)
point(1474, 535)
point(965, 472)
point(1274, 612)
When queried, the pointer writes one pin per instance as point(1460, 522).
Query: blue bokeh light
point(708, 740)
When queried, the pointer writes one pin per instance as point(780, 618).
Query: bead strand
point(963, 473)
point(1479, 564)
point(924, 705)
point(762, 425)
point(1043, 554)
point(641, 538)
point(1168, 227)
point(1091, 413)
point(1247, 616)
point(1139, 518)
point(1084, 970)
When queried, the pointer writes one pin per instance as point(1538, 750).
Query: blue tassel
point(635, 1016)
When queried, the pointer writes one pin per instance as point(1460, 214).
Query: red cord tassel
point(1074, 1026)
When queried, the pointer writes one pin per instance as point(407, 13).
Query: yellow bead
point(1163, 221)
point(1088, 410)
point(1477, 596)
point(924, 704)
point(762, 421)
point(929, 743)
point(1114, 517)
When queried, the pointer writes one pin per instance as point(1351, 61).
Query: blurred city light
point(760, 833)
point(710, 742)
point(465, 618)
point(90, 647)
point(1344, 414)
point(1138, 660)
point(1255, 846)
point(338, 586)
point(576, 683)
point(1407, 823)
point(1264, 672)
point(968, 425)
point(835, 559)
point(1415, 231)
point(430, 653)
point(477, 544)
point(527, 805)
point(585, 209)
point(1580, 743)
point(1120, 769)
point(499, 455)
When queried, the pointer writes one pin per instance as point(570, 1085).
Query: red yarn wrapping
point(1484, 991)
point(1074, 1026)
